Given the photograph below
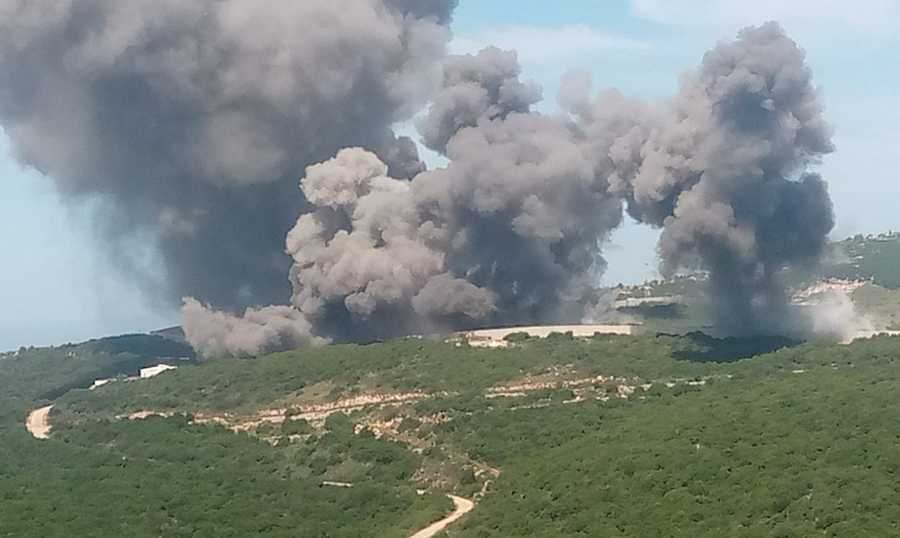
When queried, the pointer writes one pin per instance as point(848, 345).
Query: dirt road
point(462, 507)
point(38, 422)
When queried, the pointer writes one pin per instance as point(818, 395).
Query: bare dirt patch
point(38, 422)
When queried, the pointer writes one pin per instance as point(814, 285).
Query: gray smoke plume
point(260, 330)
point(511, 229)
point(508, 232)
point(525, 214)
point(192, 120)
point(364, 257)
point(717, 168)
point(480, 86)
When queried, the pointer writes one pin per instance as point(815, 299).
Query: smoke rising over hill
point(511, 229)
point(714, 168)
point(194, 121)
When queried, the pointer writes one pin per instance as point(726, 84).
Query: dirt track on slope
point(38, 422)
point(462, 507)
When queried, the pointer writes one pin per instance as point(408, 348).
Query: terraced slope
point(610, 435)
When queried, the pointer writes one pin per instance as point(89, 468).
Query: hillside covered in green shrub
point(613, 435)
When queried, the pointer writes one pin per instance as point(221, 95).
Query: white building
point(154, 371)
point(100, 382)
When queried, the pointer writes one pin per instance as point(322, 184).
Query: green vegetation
point(875, 258)
point(36, 375)
point(280, 380)
point(762, 454)
point(169, 477)
point(166, 477)
point(606, 436)
point(296, 427)
point(679, 285)
point(517, 337)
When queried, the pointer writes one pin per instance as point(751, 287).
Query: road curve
point(38, 422)
point(462, 507)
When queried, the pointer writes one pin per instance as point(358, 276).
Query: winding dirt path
point(462, 507)
point(38, 422)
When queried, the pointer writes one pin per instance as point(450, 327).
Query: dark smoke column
point(723, 169)
point(525, 211)
point(191, 120)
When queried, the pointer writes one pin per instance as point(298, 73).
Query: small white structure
point(333, 484)
point(637, 302)
point(154, 371)
point(100, 382)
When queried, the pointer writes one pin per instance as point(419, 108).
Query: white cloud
point(542, 45)
point(822, 18)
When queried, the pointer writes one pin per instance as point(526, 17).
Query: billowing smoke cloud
point(476, 86)
point(511, 229)
point(525, 215)
point(260, 330)
point(735, 206)
point(192, 120)
point(715, 168)
point(365, 262)
point(508, 232)
point(835, 316)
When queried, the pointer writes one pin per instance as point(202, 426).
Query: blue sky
point(56, 285)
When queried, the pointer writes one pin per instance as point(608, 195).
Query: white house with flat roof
point(153, 371)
